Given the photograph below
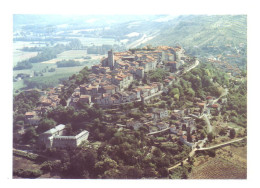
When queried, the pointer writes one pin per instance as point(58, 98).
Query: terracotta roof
point(214, 106)
point(85, 96)
point(209, 97)
point(30, 113)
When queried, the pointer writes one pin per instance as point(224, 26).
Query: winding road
point(185, 161)
point(221, 145)
point(158, 131)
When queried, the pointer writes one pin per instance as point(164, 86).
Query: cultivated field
point(51, 77)
point(218, 168)
point(96, 41)
point(229, 163)
point(77, 55)
point(21, 56)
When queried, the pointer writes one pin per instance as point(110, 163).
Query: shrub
point(27, 173)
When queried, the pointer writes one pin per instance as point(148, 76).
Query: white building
point(54, 138)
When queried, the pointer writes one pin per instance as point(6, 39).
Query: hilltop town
point(132, 91)
point(109, 85)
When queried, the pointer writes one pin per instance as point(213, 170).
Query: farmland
point(229, 163)
point(77, 55)
point(49, 77)
point(96, 41)
point(20, 56)
point(53, 78)
point(218, 168)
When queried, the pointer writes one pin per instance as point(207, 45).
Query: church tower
point(110, 59)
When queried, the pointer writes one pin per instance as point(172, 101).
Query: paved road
point(222, 144)
point(222, 95)
point(206, 118)
point(157, 132)
point(185, 161)
point(192, 67)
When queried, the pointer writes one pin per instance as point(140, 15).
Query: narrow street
point(157, 132)
point(192, 67)
point(206, 118)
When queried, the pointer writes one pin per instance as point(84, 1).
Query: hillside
point(201, 30)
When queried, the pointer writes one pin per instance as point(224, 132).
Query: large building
point(54, 138)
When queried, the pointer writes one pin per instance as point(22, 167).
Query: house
point(85, 99)
point(223, 100)
point(188, 123)
point(134, 124)
point(54, 138)
point(215, 107)
point(183, 139)
point(137, 92)
point(202, 106)
point(210, 100)
point(173, 129)
point(162, 125)
point(31, 118)
point(160, 113)
point(151, 126)
point(30, 114)
point(172, 66)
point(70, 141)
point(44, 101)
point(177, 114)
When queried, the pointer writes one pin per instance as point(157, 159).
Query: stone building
point(54, 138)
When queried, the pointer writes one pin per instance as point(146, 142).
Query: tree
point(157, 152)
point(134, 172)
point(63, 102)
point(46, 124)
point(189, 139)
point(190, 92)
point(174, 91)
point(82, 162)
point(232, 133)
point(210, 136)
point(222, 132)
point(105, 165)
point(30, 135)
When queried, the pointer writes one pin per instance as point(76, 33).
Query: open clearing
point(230, 163)
point(21, 56)
point(77, 55)
point(86, 41)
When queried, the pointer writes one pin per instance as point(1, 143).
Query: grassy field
point(60, 73)
point(77, 55)
point(229, 163)
point(96, 41)
point(20, 56)
point(49, 77)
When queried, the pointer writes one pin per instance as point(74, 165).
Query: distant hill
point(203, 30)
